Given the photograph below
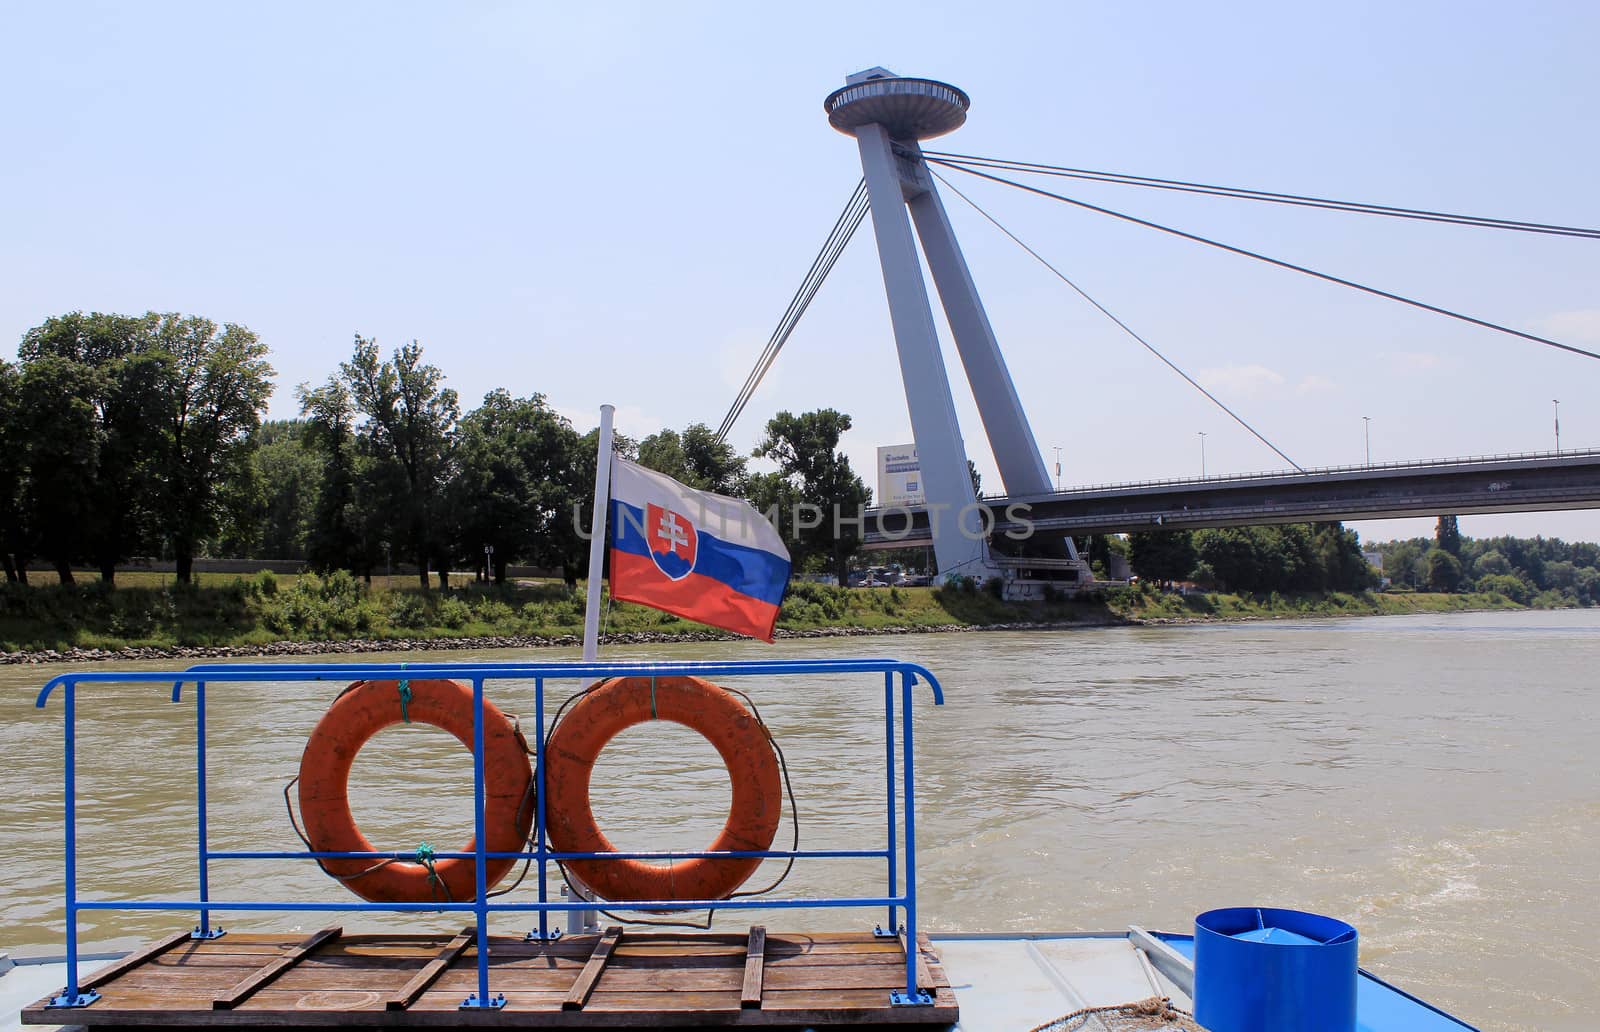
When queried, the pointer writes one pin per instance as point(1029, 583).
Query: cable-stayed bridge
point(1030, 527)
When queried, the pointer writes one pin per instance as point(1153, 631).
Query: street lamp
point(1202, 454)
point(1366, 427)
point(1557, 403)
point(1058, 468)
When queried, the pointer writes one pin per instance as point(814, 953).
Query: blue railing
point(898, 851)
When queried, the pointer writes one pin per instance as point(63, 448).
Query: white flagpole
point(597, 543)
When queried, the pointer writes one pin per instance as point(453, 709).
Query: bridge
point(1480, 484)
point(1030, 528)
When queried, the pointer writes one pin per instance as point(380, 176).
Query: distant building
point(899, 476)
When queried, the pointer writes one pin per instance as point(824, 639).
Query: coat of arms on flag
point(702, 556)
point(672, 540)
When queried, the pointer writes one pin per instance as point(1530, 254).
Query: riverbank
point(273, 617)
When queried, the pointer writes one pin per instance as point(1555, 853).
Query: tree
point(56, 422)
point(14, 550)
point(1447, 535)
point(1162, 556)
point(514, 484)
point(215, 386)
point(977, 479)
point(126, 392)
point(1441, 570)
point(813, 471)
point(277, 507)
point(695, 457)
point(410, 421)
point(342, 535)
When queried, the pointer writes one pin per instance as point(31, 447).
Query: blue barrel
point(1262, 970)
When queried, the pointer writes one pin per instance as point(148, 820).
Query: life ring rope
point(578, 890)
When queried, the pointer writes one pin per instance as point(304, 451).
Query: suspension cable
point(1124, 326)
point(1245, 193)
point(844, 228)
point(1437, 310)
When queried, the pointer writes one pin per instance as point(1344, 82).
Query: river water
point(1432, 779)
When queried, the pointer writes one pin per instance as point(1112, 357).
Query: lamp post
point(1366, 429)
point(1058, 468)
point(1202, 454)
point(1557, 403)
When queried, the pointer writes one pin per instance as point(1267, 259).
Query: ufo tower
point(888, 115)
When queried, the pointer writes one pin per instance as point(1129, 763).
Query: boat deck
point(613, 979)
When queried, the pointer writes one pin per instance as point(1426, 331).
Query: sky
point(614, 203)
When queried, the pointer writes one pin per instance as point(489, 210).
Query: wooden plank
point(641, 981)
point(755, 959)
point(924, 977)
point(241, 992)
point(578, 995)
point(133, 960)
point(407, 994)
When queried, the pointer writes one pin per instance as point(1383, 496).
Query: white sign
point(899, 476)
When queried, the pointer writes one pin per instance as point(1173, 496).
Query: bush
point(264, 584)
point(1506, 585)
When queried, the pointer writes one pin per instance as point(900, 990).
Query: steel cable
point(1258, 256)
point(1245, 193)
point(1124, 326)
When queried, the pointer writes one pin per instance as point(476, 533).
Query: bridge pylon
point(888, 114)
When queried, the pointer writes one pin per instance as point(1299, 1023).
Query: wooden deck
point(620, 978)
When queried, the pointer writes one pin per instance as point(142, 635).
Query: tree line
point(124, 436)
point(1539, 570)
point(1293, 557)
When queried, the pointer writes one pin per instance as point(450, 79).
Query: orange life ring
point(368, 707)
point(738, 736)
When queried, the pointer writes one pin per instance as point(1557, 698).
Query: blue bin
point(1263, 970)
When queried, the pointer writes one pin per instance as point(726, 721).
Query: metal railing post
point(72, 995)
point(202, 930)
point(538, 795)
point(888, 773)
point(913, 995)
point(480, 844)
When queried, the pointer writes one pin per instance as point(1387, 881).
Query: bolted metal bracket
point(207, 933)
point(921, 999)
point(83, 999)
point(471, 1003)
point(555, 933)
point(880, 932)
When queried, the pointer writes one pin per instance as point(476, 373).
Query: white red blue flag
point(702, 556)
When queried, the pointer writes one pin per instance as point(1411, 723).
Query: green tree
point(514, 482)
point(1447, 535)
point(410, 422)
point(1441, 570)
point(126, 393)
point(14, 549)
point(61, 451)
point(813, 472)
point(1162, 556)
point(695, 457)
point(278, 507)
point(342, 535)
point(214, 389)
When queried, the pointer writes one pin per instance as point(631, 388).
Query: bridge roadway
point(1500, 483)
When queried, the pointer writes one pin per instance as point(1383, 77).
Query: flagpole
point(597, 543)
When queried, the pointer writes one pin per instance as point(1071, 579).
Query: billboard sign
point(899, 476)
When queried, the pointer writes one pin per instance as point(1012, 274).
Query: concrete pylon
point(888, 115)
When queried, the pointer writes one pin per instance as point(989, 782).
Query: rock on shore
point(290, 649)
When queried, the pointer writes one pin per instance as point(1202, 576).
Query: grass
point(150, 610)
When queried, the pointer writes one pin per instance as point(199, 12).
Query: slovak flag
point(698, 555)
